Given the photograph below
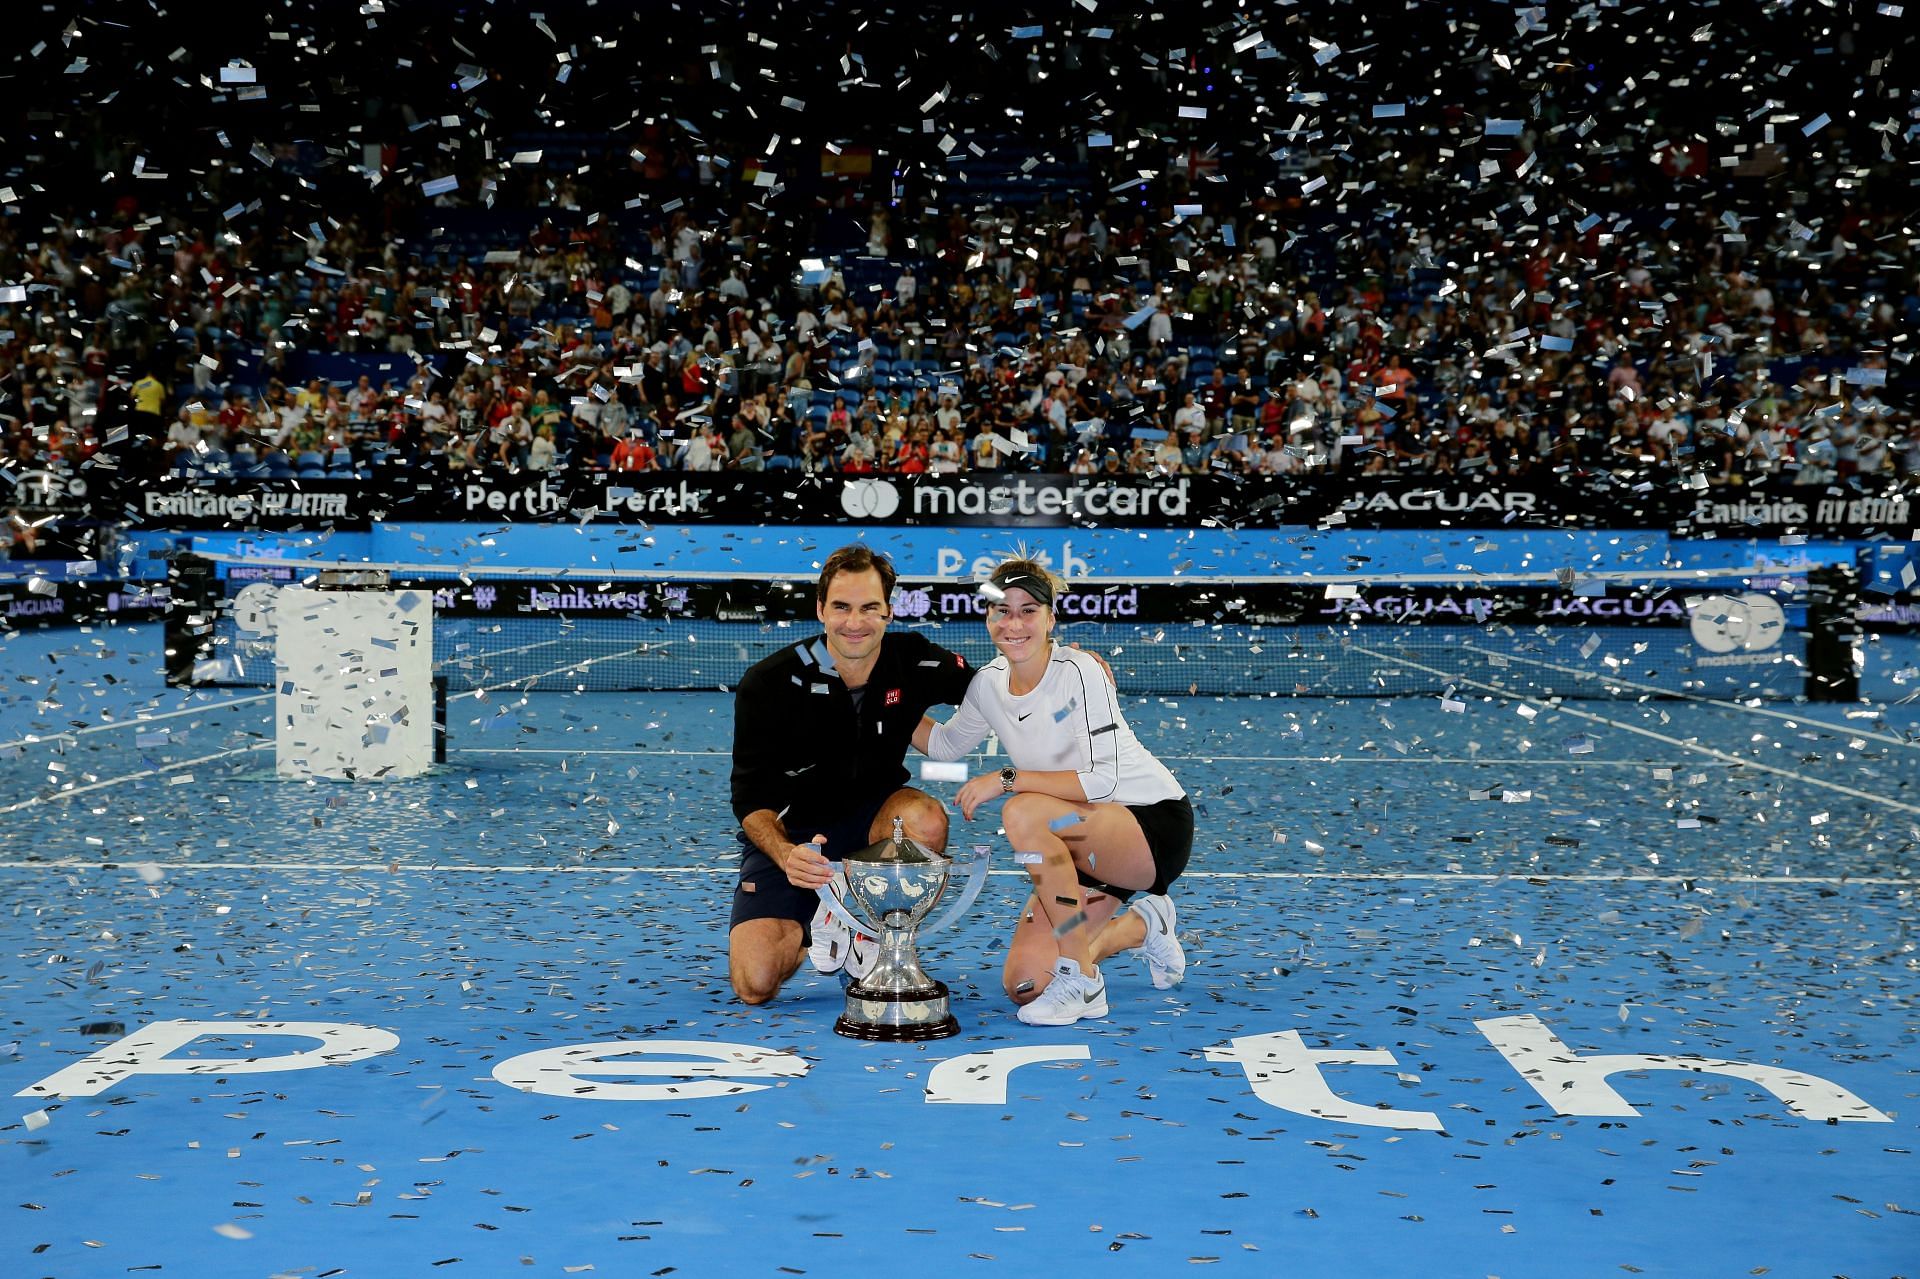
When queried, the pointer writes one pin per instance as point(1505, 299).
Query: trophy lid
point(898, 847)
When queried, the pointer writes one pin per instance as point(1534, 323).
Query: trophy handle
point(976, 880)
point(830, 894)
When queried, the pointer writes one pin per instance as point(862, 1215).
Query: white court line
point(1202, 759)
point(467, 661)
point(1734, 703)
point(409, 868)
point(141, 722)
point(38, 800)
point(480, 659)
point(1564, 709)
point(571, 668)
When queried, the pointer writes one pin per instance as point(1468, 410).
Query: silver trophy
point(887, 889)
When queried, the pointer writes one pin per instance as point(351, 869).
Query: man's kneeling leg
point(761, 954)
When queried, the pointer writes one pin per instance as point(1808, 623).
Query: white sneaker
point(1070, 996)
point(836, 946)
point(1166, 959)
point(862, 950)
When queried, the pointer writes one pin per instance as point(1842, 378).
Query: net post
point(193, 588)
point(1833, 633)
point(440, 719)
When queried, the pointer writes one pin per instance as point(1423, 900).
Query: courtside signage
point(1751, 623)
point(1862, 509)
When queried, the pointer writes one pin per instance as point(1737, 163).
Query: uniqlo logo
point(893, 697)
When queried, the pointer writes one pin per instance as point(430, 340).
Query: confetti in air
point(1481, 447)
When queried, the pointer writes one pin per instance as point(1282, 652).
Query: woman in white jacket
point(1092, 815)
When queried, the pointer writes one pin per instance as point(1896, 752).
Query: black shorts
point(1168, 826)
point(763, 890)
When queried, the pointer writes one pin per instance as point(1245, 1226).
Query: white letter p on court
point(146, 1052)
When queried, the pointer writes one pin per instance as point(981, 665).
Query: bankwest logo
point(583, 600)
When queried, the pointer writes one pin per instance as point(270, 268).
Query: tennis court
point(1397, 906)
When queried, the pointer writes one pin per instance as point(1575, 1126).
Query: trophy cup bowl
point(890, 887)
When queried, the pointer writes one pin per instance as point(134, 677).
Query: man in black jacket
point(820, 737)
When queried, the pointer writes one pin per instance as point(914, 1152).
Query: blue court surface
point(1494, 987)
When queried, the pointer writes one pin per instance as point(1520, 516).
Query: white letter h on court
point(1576, 1085)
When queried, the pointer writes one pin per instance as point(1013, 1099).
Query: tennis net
point(1723, 633)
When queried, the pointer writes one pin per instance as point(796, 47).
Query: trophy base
point(890, 1017)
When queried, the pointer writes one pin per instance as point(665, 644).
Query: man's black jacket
point(801, 749)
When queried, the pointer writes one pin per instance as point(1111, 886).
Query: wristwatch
point(1006, 780)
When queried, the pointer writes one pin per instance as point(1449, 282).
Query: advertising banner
point(1017, 500)
point(1711, 610)
point(1876, 509)
point(256, 504)
point(44, 492)
point(1862, 510)
point(41, 602)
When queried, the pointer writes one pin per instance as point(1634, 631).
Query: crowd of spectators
point(967, 342)
point(1055, 247)
point(1671, 357)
